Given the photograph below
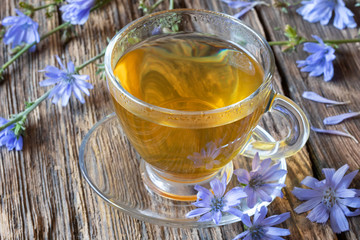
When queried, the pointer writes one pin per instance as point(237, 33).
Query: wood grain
point(42, 193)
point(325, 151)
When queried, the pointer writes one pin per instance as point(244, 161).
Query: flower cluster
point(259, 184)
point(329, 198)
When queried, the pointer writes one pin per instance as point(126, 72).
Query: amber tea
point(189, 72)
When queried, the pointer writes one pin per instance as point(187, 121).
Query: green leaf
point(143, 7)
point(68, 34)
point(133, 40)
point(17, 49)
point(26, 6)
point(28, 104)
point(1, 74)
point(2, 31)
point(290, 32)
point(101, 70)
point(284, 10)
point(280, 4)
point(293, 38)
point(49, 14)
point(288, 48)
point(19, 127)
point(50, 11)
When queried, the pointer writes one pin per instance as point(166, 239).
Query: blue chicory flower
point(67, 82)
point(329, 198)
point(77, 11)
point(247, 6)
point(22, 29)
point(261, 228)
point(322, 11)
point(261, 181)
point(212, 205)
point(320, 61)
point(8, 137)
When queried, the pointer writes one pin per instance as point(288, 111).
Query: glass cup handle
point(299, 130)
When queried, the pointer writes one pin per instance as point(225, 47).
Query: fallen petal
point(317, 98)
point(334, 132)
point(339, 118)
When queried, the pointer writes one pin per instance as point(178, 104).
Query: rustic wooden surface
point(42, 193)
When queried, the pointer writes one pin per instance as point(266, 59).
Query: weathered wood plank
point(42, 193)
point(325, 151)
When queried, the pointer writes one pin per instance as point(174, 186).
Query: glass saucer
point(111, 166)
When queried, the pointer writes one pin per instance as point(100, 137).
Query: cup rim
point(126, 29)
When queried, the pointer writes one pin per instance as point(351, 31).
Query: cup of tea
point(189, 88)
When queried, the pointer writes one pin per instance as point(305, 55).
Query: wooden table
point(42, 192)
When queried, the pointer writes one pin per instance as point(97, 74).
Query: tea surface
point(190, 73)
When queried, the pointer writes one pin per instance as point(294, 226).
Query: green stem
point(90, 60)
point(23, 114)
point(43, 6)
point(62, 26)
point(154, 6)
point(20, 116)
point(171, 4)
point(355, 40)
point(99, 5)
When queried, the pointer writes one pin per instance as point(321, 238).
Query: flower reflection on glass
point(206, 157)
point(261, 182)
point(320, 61)
point(22, 29)
point(67, 82)
point(211, 206)
point(8, 137)
point(322, 11)
point(329, 198)
point(261, 226)
point(77, 11)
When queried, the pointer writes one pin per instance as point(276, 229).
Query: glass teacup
point(181, 147)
